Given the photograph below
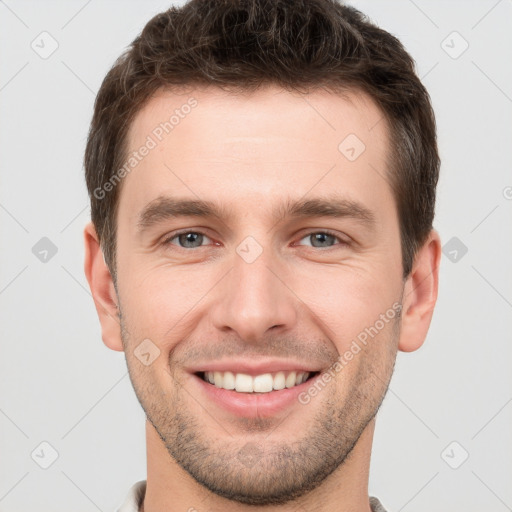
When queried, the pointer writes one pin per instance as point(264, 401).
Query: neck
point(170, 488)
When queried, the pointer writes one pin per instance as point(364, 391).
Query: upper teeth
point(259, 384)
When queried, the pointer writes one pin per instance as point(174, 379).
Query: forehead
point(209, 143)
point(269, 110)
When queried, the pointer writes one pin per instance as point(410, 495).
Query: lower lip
point(254, 405)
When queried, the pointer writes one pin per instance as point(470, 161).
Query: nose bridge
point(252, 298)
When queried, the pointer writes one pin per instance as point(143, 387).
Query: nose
point(254, 298)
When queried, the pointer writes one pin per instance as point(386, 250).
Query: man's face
point(256, 284)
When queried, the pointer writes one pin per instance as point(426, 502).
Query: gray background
point(59, 384)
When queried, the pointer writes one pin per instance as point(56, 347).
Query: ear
point(102, 289)
point(420, 294)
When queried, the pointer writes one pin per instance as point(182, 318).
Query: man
point(262, 179)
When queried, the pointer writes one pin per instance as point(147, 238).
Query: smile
point(264, 383)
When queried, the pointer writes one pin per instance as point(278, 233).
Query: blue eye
point(187, 239)
point(319, 239)
point(195, 239)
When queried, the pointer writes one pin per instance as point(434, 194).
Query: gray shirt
point(136, 494)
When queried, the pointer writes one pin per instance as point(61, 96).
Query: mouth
point(258, 395)
point(258, 384)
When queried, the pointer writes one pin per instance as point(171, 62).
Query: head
point(262, 179)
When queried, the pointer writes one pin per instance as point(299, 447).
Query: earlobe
point(102, 289)
point(420, 294)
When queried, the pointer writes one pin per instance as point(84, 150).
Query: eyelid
point(171, 236)
point(341, 240)
point(167, 239)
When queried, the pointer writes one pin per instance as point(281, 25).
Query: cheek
point(366, 359)
point(345, 301)
point(162, 301)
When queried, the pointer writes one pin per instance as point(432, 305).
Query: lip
point(253, 405)
point(255, 367)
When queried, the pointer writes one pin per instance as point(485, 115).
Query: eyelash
point(167, 241)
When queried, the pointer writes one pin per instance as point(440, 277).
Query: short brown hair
point(244, 44)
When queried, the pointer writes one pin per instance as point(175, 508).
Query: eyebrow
point(163, 208)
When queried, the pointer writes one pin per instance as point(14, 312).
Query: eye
point(187, 239)
point(323, 239)
point(195, 239)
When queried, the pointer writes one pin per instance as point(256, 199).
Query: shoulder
point(134, 498)
point(376, 505)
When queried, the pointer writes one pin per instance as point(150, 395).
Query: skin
point(201, 302)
